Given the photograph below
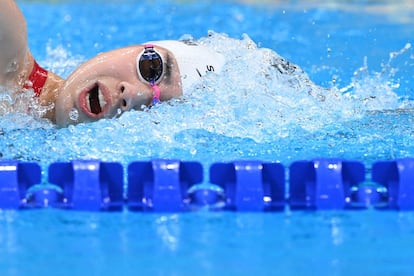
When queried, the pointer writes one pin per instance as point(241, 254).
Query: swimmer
point(134, 77)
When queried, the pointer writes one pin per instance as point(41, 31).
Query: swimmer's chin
point(66, 118)
point(69, 114)
point(72, 118)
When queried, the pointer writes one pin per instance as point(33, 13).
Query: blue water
point(360, 62)
point(73, 243)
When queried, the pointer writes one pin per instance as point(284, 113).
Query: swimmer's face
point(110, 84)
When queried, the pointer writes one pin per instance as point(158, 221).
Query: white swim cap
point(193, 60)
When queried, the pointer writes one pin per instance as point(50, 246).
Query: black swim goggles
point(150, 67)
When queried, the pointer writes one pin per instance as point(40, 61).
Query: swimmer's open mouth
point(94, 100)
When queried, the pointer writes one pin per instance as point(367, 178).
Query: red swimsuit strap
point(37, 79)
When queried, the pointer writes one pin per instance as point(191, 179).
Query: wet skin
point(110, 84)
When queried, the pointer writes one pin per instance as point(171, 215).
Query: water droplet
point(74, 114)
point(12, 67)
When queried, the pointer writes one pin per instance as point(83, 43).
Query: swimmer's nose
point(131, 96)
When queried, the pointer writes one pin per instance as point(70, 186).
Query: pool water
point(320, 243)
point(353, 100)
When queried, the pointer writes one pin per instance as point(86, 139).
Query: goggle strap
point(156, 93)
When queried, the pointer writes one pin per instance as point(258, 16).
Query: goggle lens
point(150, 65)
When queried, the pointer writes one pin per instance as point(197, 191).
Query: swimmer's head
point(112, 83)
point(132, 78)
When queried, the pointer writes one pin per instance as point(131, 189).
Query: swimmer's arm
point(13, 43)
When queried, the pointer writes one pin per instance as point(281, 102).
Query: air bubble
point(74, 114)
